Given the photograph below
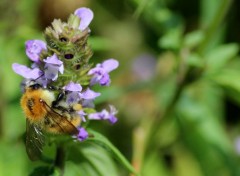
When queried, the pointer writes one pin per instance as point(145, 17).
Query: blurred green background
point(177, 88)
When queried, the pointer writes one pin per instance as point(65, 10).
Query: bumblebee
point(46, 112)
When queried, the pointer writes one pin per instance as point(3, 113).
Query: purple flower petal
point(82, 134)
point(88, 103)
point(112, 119)
point(74, 87)
point(53, 60)
point(72, 97)
point(51, 72)
point(34, 48)
point(100, 72)
point(89, 94)
point(52, 67)
point(43, 81)
point(105, 80)
point(110, 65)
point(61, 69)
point(26, 72)
point(85, 15)
point(82, 114)
point(104, 115)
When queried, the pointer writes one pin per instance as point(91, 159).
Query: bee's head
point(35, 86)
point(31, 85)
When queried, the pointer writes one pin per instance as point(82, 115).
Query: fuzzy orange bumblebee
point(37, 107)
point(42, 117)
point(32, 104)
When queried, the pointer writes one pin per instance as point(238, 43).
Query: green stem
point(139, 138)
point(213, 26)
point(60, 159)
point(1, 118)
point(2, 104)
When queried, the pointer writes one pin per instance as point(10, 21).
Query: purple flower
point(89, 94)
point(88, 103)
point(52, 67)
point(73, 90)
point(82, 134)
point(34, 48)
point(73, 87)
point(82, 115)
point(75, 94)
point(105, 115)
point(85, 15)
point(100, 72)
point(26, 72)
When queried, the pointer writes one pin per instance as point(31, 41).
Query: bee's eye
point(68, 56)
point(63, 39)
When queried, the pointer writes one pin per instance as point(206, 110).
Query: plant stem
point(2, 104)
point(139, 136)
point(213, 26)
point(60, 159)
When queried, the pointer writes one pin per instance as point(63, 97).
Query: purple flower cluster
point(46, 70)
point(100, 72)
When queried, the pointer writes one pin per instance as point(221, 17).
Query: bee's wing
point(34, 141)
point(62, 124)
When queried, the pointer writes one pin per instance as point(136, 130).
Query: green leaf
point(229, 79)
point(192, 39)
point(198, 113)
point(105, 143)
point(89, 159)
point(218, 57)
point(172, 39)
point(43, 170)
point(154, 165)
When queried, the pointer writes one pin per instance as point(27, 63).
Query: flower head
point(101, 72)
point(76, 99)
point(52, 67)
point(85, 15)
point(105, 115)
point(34, 48)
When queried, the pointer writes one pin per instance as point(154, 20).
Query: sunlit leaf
point(218, 57)
point(154, 165)
point(105, 143)
point(192, 39)
point(89, 159)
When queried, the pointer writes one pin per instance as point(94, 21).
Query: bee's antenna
point(38, 77)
